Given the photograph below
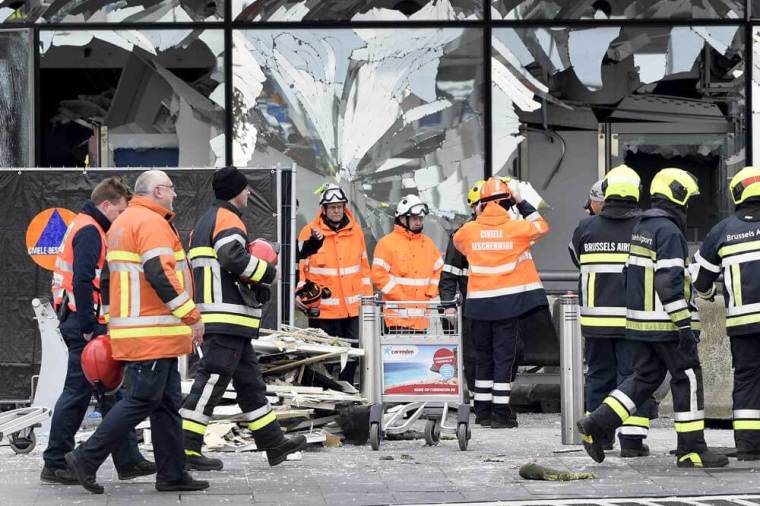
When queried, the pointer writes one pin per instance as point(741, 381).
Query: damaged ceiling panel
point(154, 97)
point(617, 9)
point(111, 11)
point(358, 10)
point(383, 112)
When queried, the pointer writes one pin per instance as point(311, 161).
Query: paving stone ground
point(418, 474)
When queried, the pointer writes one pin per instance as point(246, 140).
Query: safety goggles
point(333, 196)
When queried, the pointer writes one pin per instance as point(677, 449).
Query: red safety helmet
point(101, 370)
point(264, 250)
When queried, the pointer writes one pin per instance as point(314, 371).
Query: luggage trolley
point(413, 372)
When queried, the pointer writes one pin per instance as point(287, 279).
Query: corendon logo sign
point(399, 353)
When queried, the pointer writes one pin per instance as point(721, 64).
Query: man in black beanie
point(223, 270)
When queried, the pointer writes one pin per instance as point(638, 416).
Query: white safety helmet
point(331, 193)
point(412, 205)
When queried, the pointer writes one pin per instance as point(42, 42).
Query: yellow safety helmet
point(623, 182)
point(676, 185)
point(473, 196)
point(745, 184)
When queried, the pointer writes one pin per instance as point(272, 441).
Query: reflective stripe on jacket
point(503, 281)
point(340, 264)
point(454, 273)
point(220, 259)
point(406, 267)
point(151, 303)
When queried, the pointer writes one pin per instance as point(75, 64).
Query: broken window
point(132, 98)
point(617, 9)
point(358, 10)
point(16, 148)
point(383, 112)
point(111, 11)
point(571, 103)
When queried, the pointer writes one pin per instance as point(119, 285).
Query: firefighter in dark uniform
point(453, 278)
point(733, 247)
point(599, 248)
point(660, 322)
point(220, 261)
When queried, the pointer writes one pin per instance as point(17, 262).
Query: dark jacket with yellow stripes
point(658, 290)
point(733, 247)
point(220, 260)
point(599, 248)
point(454, 273)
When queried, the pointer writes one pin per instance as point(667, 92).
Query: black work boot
point(629, 450)
point(58, 475)
point(744, 455)
point(706, 458)
point(84, 476)
point(142, 468)
point(592, 436)
point(485, 421)
point(199, 462)
point(277, 454)
point(185, 484)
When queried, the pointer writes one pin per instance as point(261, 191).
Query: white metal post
point(571, 367)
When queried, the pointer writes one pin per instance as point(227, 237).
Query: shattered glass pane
point(571, 103)
point(384, 113)
point(132, 98)
point(617, 9)
point(15, 98)
point(357, 10)
point(111, 11)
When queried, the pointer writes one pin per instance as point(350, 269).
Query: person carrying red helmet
point(502, 285)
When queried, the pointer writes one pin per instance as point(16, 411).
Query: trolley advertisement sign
point(428, 370)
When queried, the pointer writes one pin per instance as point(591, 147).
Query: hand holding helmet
point(99, 367)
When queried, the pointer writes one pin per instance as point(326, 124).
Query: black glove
point(687, 345)
point(310, 246)
point(262, 292)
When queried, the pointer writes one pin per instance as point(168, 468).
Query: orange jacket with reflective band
point(503, 281)
point(151, 303)
point(340, 264)
point(63, 274)
point(406, 267)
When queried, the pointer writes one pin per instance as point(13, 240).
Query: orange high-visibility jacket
point(503, 281)
point(340, 264)
point(63, 273)
point(406, 267)
point(151, 290)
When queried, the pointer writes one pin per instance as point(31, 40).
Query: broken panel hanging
point(617, 9)
point(111, 11)
point(358, 10)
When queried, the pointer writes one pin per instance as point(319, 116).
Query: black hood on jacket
point(620, 209)
point(673, 211)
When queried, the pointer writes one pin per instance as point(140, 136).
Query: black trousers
point(228, 358)
point(347, 328)
point(745, 351)
point(651, 363)
point(496, 349)
point(609, 363)
point(152, 390)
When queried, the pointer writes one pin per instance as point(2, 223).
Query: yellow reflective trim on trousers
point(746, 424)
point(607, 258)
point(207, 285)
point(650, 326)
point(123, 256)
point(590, 289)
point(263, 421)
point(736, 280)
point(733, 321)
point(261, 268)
point(693, 457)
point(181, 280)
point(192, 426)
point(137, 332)
point(739, 248)
point(243, 321)
point(123, 294)
point(618, 408)
point(184, 309)
point(642, 251)
point(202, 251)
point(191, 453)
point(637, 421)
point(587, 439)
point(596, 321)
point(680, 315)
point(648, 289)
point(690, 426)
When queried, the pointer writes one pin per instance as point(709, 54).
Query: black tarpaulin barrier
point(25, 193)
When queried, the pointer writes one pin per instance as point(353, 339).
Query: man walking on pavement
point(407, 267)
point(153, 320)
point(732, 247)
point(660, 322)
point(599, 248)
point(339, 264)
point(453, 278)
point(77, 300)
point(226, 278)
point(503, 285)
